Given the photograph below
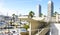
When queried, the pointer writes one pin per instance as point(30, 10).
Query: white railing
point(40, 31)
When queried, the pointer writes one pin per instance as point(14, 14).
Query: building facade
point(39, 10)
point(50, 10)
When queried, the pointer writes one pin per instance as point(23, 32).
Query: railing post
point(30, 29)
point(38, 31)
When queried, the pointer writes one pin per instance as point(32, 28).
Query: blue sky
point(25, 6)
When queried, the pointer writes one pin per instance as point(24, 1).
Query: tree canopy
point(31, 14)
point(55, 13)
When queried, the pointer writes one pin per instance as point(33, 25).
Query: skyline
point(24, 6)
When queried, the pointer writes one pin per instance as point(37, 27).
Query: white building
point(55, 29)
point(50, 10)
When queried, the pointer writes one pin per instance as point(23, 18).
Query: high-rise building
point(50, 8)
point(39, 10)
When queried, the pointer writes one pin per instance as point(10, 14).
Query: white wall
point(55, 29)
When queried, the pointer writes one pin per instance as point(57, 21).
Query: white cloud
point(4, 11)
point(1, 2)
point(1, 6)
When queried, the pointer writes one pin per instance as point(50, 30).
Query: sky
point(23, 7)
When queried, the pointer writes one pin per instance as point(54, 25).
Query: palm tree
point(55, 13)
point(26, 26)
point(41, 14)
point(31, 14)
point(11, 22)
point(13, 17)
